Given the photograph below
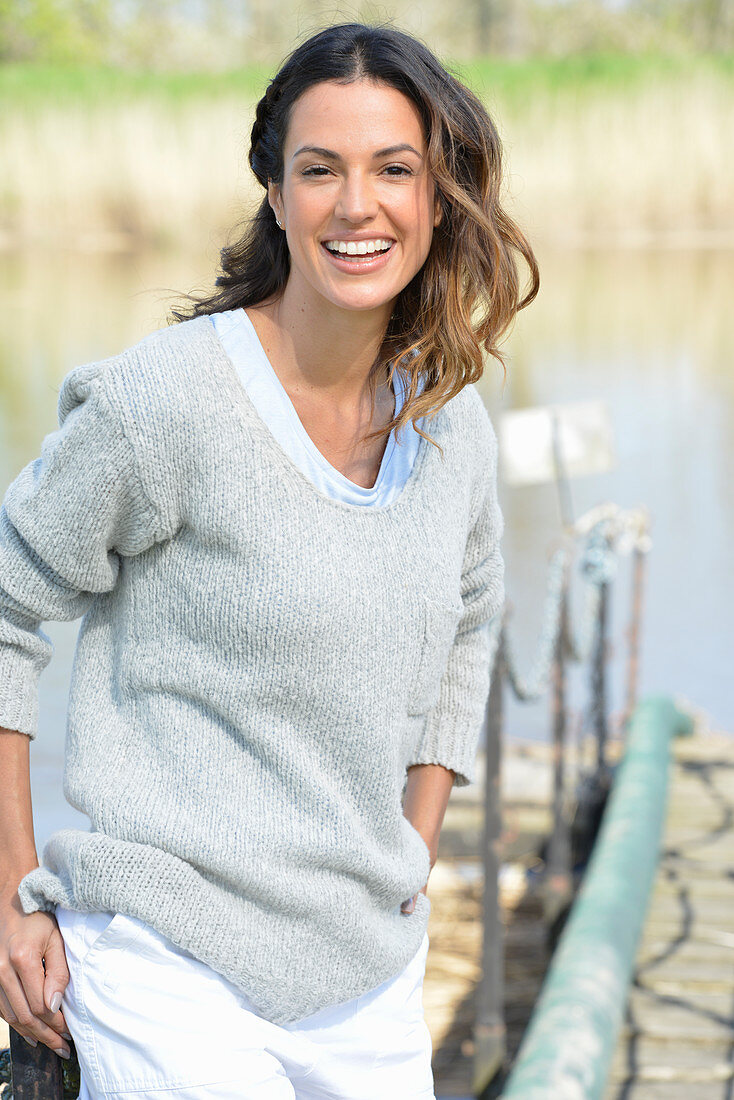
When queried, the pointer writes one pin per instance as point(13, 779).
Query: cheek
point(419, 215)
point(306, 211)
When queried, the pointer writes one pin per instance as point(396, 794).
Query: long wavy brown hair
point(464, 298)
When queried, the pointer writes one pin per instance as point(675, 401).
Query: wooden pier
point(677, 1041)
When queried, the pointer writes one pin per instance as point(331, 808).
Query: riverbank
point(596, 148)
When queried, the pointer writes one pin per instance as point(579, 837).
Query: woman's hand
point(409, 905)
point(426, 796)
point(26, 991)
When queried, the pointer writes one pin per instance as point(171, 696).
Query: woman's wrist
point(10, 878)
point(426, 797)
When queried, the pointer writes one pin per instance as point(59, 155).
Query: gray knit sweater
point(257, 666)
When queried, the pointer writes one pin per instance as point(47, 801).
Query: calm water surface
point(648, 333)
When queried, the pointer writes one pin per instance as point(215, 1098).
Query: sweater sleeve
point(64, 522)
point(453, 726)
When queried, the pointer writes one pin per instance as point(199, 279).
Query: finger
point(53, 986)
point(26, 1022)
point(5, 1010)
point(10, 1018)
point(409, 905)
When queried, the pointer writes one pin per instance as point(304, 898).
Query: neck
point(323, 349)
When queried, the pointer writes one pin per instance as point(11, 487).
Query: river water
point(646, 332)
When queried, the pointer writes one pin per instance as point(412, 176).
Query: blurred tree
point(55, 30)
point(216, 34)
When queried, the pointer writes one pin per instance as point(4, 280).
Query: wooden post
point(489, 1027)
point(36, 1071)
point(558, 887)
point(598, 682)
point(633, 634)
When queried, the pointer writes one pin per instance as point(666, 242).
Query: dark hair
point(465, 296)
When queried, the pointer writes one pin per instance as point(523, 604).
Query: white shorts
point(150, 1020)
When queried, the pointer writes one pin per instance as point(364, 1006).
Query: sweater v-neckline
point(252, 416)
point(298, 425)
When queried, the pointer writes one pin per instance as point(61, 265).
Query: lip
point(365, 264)
point(360, 237)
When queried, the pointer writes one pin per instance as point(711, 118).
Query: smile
point(358, 248)
point(359, 256)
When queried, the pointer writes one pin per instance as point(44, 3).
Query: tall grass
point(601, 147)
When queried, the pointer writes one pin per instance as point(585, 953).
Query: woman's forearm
point(17, 840)
point(425, 801)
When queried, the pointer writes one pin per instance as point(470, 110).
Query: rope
point(604, 533)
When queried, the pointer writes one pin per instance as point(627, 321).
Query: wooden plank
point(646, 1090)
point(676, 1041)
point(654, 1058)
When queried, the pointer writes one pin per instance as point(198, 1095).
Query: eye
point(398, 170)
point(315, 170)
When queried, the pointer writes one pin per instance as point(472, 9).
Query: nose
point(357, 200)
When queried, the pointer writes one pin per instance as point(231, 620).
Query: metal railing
point(569, 1043)
point(596, 540)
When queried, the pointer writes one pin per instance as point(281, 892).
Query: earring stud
point(277, 222)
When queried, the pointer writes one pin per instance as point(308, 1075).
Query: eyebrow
point(328, 154)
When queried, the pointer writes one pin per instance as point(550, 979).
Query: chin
point(363, 306)
point(376, 299)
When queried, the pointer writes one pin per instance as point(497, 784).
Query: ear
point(437, 211)
point(275, 199)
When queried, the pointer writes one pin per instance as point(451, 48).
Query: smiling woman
point(355, 192)
point(287, 586)
point(363, 136)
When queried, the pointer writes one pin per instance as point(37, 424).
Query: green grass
point(35, 85)
point(617, 74)
point(29, 85)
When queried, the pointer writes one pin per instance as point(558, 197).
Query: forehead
point(361, 115)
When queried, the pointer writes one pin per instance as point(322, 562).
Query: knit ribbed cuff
point(453, 727)
point(444, 742)
point(18, 692)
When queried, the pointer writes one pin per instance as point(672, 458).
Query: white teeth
point(358, 248)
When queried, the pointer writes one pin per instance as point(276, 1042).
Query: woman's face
point(357, 199)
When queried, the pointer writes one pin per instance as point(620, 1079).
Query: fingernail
point(31, 1042)
point(64, 1052)
point(55, 1002)
point(66, 1035)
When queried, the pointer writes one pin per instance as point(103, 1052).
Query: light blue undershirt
point(237, 334)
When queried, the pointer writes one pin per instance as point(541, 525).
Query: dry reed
point(585, 163)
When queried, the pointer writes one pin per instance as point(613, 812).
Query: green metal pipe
point(569, 1042)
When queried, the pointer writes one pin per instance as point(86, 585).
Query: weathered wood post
point(36, 1071)
point(558, 885)
point(633, 633)
point(489, 1027)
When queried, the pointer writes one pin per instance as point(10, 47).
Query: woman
point(286, 585)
